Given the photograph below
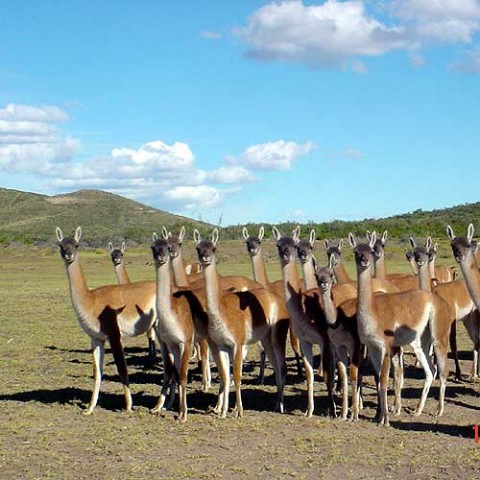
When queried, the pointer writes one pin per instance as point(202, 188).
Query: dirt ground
point(45, 382)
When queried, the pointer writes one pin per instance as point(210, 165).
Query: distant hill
point(32, 218)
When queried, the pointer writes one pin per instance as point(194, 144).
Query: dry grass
point(45, 378)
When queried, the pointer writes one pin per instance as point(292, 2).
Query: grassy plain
point(45, 382)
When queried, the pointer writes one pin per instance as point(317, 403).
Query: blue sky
point(246, 111)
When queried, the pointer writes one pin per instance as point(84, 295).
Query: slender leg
point(185, 350)
point(384, 375)
point(224, 371)
point(237, 378)
point(328, 358)
point(342, 362)
point(98, 354)
point(121, 364)
point(424, 358)
point(295, 344)
point(454, 350)
point(308, 364)
point(397, 360)
point(354, 380)
point(206, 371)
point(168, 381)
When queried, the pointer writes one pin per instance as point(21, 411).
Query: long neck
point(212, 290)
point(164, 287)
point(259, 270)
point(472, 278)
point(329, 308)
point(292, 286)
point(341, 274)
point(179, 274)
point(121, 273)
point(79, 292)
point(425, 277)
point(380, 270)
point(365, 313)
point(309, 275)
point(431, 268)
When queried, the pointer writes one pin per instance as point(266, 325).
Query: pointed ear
point(450, 233)
point(196, 236)
point(110, 247)
point(368, 235)
point(296, 234)
point(428, 243)
point(261, 233)
point(314, 262)
point(435, 247)
point(325, 242)
point(122, 247)
point(59, 234)
point(78, 234)
point(470, 232)
point(351, 240)
point(340, 244)
point(154, 236)
point(215, 236)
point(276, 233)
point(412, 242)
point(373, 239)
point(331, 262)
point(165, 232)
point(245, 233)
point(384, 237)
point(312, 237)
point(181, 235)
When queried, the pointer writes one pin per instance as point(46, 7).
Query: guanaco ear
point(412, 242)
point(325, 242)
point(314, 262)
point(165, 233)
point(245, 233)
point(450, 233)
point(384, 237)
point(296, 234)
point(312, 237)
point(261, 233)
point(373, 239)
point(110, 247)
point(122, 247)
point(154, 236)
point(340, 244)
point(428, 243)
point(470, 232)
point(78, 234)
point(368, 235)
point(196, 236)
point(181, 235)
point(351, 240)
point(276, 233)
point(435, 247)
point(331, 262)
point(59, 234)
point(215, 236)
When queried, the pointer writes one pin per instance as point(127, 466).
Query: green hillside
point(32, 218)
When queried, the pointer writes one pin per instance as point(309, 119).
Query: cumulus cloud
point(278, 155)
point(334, 34)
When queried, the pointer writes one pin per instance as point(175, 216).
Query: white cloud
point(211, 35)
point(192, 198)
point(47, 113)
point(278, 155)
point(334, 34)
point(470, 64)
point(230, 174)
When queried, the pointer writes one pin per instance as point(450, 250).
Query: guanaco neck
point(471, 275)
point(308, 271)
point(292, 286)
point(121, 273)
point(259, 269)
point(212, 291)
point(425, 277)
point(329, 309)
point(365, 311)
point(179, 275)
point(164, 288)
point(431, 268)
point(341, 273)
point(380, 272)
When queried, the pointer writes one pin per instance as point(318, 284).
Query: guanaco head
point(68, 245)
point(116, 254)
point(334, 247)
point(305, 248)
point(254, 244)
point(206, 249)
point(421, 253)
point(160, 250)
point(325, 276)
point(363, 252)
point(176, 242)
point(462, 246)
point(379, 246)
point(286, 245)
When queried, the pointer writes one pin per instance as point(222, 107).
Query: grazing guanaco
point(237, 319)
point(387, 321)
point(107, 313)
